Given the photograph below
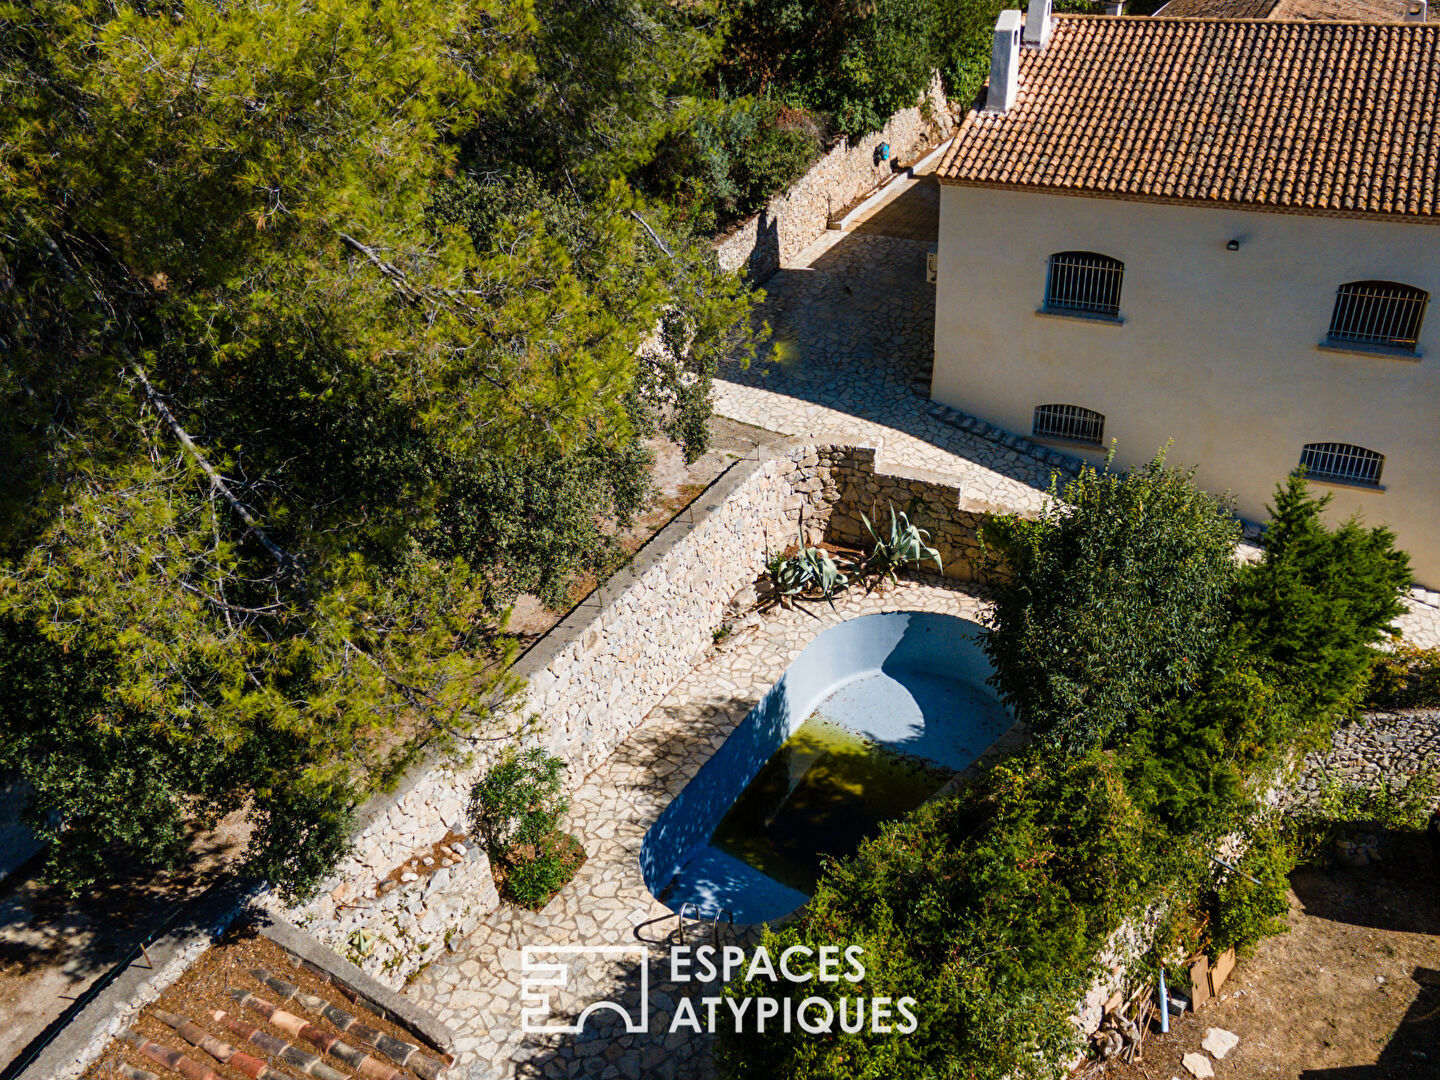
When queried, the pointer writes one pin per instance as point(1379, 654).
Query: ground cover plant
point(1164, 697)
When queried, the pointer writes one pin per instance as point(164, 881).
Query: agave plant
point(904, 545)
point(809, 569)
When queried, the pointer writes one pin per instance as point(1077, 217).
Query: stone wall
point(1377, 748)
point(792, 220)
point(933, 502)
point(590, 682)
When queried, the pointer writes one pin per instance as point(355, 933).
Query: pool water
point(824, 790)
point(873, 717)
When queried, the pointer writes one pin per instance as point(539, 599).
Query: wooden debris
point(407, 1055)
point(1220, 971)
point(291, 1024)
point(222, 1052)
point(279, 1049)
point(171, 1059)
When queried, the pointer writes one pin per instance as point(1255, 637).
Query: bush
point(733, 160)
point(519, 801)
point(1113, 601)
point(1244, 911)
point(532, 878)
point(1406, 678)
point(857, 61)
point(1320, 601)
point(515, 812)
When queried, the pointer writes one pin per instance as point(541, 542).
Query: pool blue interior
point(913, 681)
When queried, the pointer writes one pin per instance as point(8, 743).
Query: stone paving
point(853, 321)
point(853, 333)
point(475, 989)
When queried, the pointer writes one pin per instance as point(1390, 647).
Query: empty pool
point(874, 717)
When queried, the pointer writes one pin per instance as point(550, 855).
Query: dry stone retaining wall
point(792, 220)
point(1379, 748)
point(595, 676)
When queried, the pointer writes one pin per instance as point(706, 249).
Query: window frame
point(1350, 307)
point(1071, 416)
point(1072, 273)
point(1347, 452)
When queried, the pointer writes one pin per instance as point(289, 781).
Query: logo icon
point(547, 970)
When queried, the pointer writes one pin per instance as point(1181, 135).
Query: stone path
point(475, 989)
point(853, 321)
point(853, 330)
point(913, 214)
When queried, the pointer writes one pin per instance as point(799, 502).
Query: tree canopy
point(292, 353)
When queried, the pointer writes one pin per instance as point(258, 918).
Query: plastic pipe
point(1164, 1005)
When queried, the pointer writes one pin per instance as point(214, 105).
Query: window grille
point(1084, 281)
point(1378, 313)
point(1069, 422)
point(1341, 461)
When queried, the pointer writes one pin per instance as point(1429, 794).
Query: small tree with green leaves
point(515, 812)
point(1113, 600)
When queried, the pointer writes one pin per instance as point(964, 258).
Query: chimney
point(1415, 10)
point(1037, 24)
point(1004, 62)
point(1115, 7)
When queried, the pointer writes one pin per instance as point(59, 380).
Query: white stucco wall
point(1218, 350)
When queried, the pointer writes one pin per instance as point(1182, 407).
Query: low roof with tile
point(1311, 117)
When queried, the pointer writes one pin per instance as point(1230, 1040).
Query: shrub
point(1114, 600)
point(532, 878)
point(519, 801)
point(1320, 601)
point(1251, 902)
point(1406, 678)
point(736, 156)
point(515, 812)
point(987, 907)
point(858, 61)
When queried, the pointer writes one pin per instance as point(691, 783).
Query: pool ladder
point(714, 923)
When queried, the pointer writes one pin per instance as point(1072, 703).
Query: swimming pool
point(869, 720)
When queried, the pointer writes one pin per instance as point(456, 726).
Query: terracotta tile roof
point(1216, 9)
point(1305, 116)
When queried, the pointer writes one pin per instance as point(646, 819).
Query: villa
point(1217, 234)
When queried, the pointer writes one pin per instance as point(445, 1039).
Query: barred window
point(1341, 461)
point(1068, 422)
point(1083, 281)
point(1383, 313)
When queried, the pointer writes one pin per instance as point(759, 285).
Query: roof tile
point(1291, 115)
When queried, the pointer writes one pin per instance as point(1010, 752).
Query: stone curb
point(380, 998)
point(82, 1033)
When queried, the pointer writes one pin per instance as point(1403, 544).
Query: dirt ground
point(1352, 992)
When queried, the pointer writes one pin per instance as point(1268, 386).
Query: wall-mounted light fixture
point(1233, 245)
